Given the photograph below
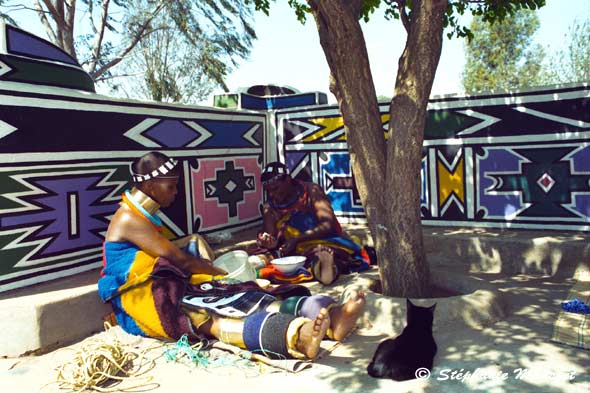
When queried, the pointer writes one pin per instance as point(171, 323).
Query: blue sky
point(288, 53)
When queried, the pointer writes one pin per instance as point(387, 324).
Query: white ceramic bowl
point(288, 265)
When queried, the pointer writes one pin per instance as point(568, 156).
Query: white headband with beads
point(162, 170)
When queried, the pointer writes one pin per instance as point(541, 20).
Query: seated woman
point(158, 290)
point(298, 219)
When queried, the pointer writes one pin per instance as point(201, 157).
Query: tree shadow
point(514, 354)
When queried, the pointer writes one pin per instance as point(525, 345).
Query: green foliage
point(501, 55)
point(488, 10)
point(572, 62)
point(168, 67)
point(214, 32)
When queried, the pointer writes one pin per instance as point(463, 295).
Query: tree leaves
point(501, 55)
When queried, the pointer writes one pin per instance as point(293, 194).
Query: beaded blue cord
point(576, 306)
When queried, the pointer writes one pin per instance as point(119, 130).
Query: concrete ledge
point(49, 315)
point(558, 254)
point(480, 305)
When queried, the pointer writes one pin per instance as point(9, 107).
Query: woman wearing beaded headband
point(298, 219)
point(152, 283)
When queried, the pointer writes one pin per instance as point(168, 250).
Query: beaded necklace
point(143, 205)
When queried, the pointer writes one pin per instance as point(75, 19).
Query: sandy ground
point(511, 355)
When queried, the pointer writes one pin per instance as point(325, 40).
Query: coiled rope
point(102, 364)
point(105, 364)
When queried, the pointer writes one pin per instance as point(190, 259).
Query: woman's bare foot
point(344, 316)
point(312, 333)
point(327, 273)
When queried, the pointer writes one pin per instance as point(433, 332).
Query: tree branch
point(53, 11)
point(403, 14)
point(69, 11)
point(71, 14)
point(48, 29)
point(90, 11)
point(56, 11)
point(99, 36)
point(110, 77)
point(139, 34)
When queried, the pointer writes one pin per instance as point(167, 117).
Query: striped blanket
point(146, 293)
point(350, 256)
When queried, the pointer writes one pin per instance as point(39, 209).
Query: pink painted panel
point(214, 214)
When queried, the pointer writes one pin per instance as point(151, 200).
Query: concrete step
point(48, 315)
point(556, 254)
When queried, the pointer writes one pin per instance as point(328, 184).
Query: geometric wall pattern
point(63, 170)
point(518, 160)
point(227, 189)
point(65, 155)
point(506, 160)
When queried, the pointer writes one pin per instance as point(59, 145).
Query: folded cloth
point(573, 327)
point(576, 306)
point(275, 276)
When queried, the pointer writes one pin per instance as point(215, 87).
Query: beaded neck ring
point(143, 205)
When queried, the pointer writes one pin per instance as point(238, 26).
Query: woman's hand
point(289, 246)
point(205, 266)
point(267, 240)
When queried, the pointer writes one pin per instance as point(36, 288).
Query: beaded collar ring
point(143, 205)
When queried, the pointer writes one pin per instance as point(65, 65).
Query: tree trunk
point(387, 176)
point(409, 275)
point(343, 43)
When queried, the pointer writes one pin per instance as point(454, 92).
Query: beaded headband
point(161, 171)
point(273, 172)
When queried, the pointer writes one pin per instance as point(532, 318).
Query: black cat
point(414, 348)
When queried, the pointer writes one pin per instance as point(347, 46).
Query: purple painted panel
point(66, 231)
point(581, 162)
point(171, 133)
point(498, 161)
point(294, 158)
point(24, 44)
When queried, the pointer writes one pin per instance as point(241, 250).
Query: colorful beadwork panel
point(64, 163)
point(518, 160)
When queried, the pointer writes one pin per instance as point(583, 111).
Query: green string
point(198, 355)
point(194, 354)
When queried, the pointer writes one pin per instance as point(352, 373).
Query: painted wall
point(65, 154)
point(518, 160)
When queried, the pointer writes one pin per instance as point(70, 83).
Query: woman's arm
point(322, 208)
point(140, 232)
point(267, 238)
